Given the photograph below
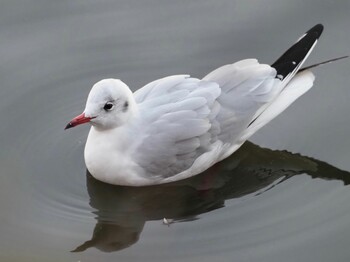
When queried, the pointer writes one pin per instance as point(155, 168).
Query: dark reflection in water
point(121, 212)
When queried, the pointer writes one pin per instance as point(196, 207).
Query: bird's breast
point(107, 161)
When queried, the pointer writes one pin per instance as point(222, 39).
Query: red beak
point(78, 120)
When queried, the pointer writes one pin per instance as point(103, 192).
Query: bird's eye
point(108, 106)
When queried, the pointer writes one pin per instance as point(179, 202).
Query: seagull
point(179, 126)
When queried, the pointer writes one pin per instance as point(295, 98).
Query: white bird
point(178, 126)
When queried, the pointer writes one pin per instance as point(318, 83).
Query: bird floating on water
point(179, 126)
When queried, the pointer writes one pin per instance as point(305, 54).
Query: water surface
point(262, 204)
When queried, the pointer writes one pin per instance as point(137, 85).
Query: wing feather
point(190, 123)
point(177, 115)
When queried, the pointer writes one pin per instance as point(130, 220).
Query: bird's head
point(110, 104)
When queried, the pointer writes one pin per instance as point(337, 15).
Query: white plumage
point(178, 126)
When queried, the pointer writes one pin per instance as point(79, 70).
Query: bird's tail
point(288, 66)
point(302, 81)
point(292, 86)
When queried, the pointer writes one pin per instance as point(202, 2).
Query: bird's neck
point(116, 138)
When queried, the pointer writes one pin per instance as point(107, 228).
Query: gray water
point(262, 204)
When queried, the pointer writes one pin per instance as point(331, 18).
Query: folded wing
point(190, 123)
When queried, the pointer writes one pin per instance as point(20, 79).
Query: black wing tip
point(294, 57)
point(317, 30)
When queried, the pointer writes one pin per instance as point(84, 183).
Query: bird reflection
point(121, 212)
